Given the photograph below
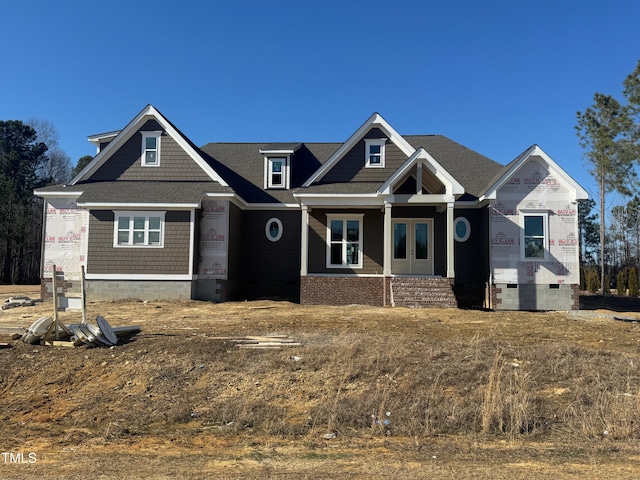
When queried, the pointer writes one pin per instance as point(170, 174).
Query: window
point(374, 151)
point(534, 242)
point(151, 149)
point(273, 229)
point(344, 241)
point(277, 172)
point(139, 229)
point(461, 229)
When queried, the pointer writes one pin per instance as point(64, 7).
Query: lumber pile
point(261, 341)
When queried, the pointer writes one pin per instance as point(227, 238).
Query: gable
point(535, 174)
point(179, 159)
point(351, 167)
point(375, 127)
point(126, 162)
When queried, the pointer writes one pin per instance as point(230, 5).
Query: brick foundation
point(347, 290)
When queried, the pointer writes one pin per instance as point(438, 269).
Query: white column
point(304, 241)
point(450, 242)
point(388, 241)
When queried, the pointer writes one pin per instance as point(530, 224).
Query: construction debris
point(75, 334)
point(18, 301)
point(261, 341)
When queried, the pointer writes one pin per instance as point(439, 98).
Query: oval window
point(273, 229)
point(462, 229)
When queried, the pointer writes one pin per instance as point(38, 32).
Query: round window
point(462, 229)
point(273, 229)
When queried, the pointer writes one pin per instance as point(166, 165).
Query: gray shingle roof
point(140, 192)
point(471, 169)
point(242, 167)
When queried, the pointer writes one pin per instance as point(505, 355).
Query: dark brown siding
point(352, 166)
point(472, 256)
point(172, 259)
point(372, 242)
point(175, 164)
point(267, 260)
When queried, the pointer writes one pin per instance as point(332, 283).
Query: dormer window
point(277, 168)
point(276, 173)
point(151, 149)
point(374, 151)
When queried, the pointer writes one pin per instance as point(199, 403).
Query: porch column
point(450, 242)
point(304, 241)
point(387, 245)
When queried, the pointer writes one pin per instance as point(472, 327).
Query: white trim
point(277, 152)
point(345, 218)
point(455, 229)
point(70, 194)
point(374, 120)
point(139, 206)
point(143, 156)
point(387, 241)
point(424, 199)
point(304, 242)
point(374, 142)
point(131, 229)
point(545, 225)
point(147, 113)
point(451, 257)
point(268, 233)
point(421, 156)
point(192, 239)
point(138, 276)
point(268, 172)
point(338, 200)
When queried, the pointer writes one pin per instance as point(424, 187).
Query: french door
point(412, 247)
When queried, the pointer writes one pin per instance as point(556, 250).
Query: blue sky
point(495, 76)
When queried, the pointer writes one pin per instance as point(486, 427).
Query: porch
point(395, 291)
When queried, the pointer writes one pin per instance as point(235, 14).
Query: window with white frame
point(277, 172)
point(344, 241)
point(151, 149)
point(139, 229)
point(374, 151)
point(534, 241)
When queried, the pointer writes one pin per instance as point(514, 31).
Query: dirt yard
point(367, 393)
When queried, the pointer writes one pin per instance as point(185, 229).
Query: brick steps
point(418, 292)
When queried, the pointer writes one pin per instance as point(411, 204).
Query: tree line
point(609, 133)
point(30, 158)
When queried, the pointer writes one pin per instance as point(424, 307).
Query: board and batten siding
point(267, 260)
point(172, 259)
point(175, 164)
point(372, 242)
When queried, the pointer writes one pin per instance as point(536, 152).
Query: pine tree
point(633, 283)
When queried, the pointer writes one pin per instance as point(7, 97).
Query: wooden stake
point(84, 295)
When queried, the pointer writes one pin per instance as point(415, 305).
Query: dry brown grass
point(465, 394)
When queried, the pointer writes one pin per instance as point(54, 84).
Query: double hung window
point(535, 237)
point(374, 151)
point(344, 241)
point(151, 149)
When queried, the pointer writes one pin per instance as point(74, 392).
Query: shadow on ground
point(609, 302)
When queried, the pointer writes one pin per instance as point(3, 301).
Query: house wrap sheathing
point(534, 252)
